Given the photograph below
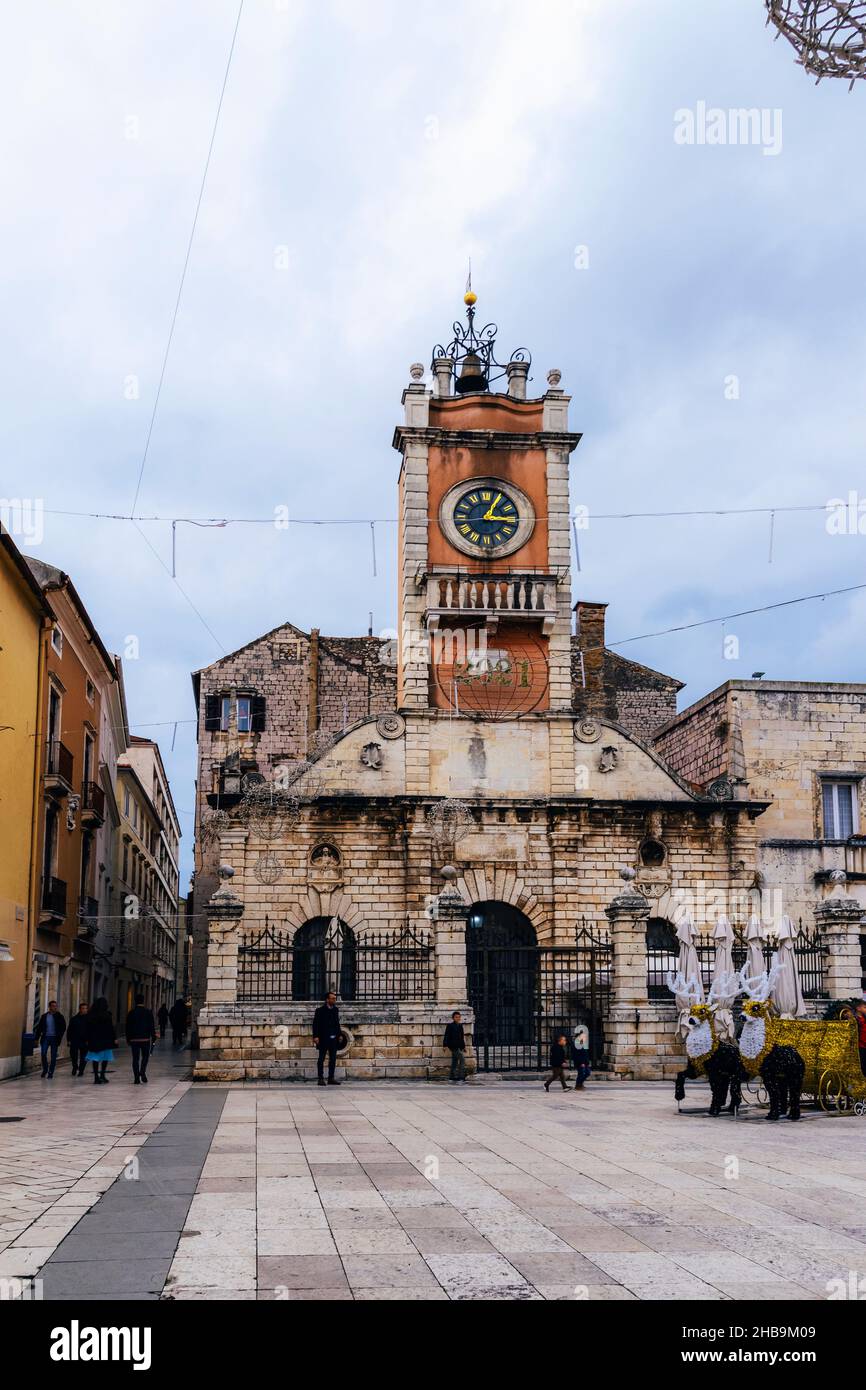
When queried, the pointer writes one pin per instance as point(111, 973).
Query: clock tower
point(484, 536)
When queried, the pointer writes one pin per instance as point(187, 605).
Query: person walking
point(326, 1036)
point(101, 1039)
point(557, 1063)
point(141, 1036)
point(178, 1014)
point(76, 1037)
point(580, 1056)
point(455, 1041)
point(49, 1035)
point(162, 1019)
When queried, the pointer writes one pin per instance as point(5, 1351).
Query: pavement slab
point(413, 1191)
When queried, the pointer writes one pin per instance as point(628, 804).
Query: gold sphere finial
point(469, 298)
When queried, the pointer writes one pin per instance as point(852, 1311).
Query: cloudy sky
point(364, 152)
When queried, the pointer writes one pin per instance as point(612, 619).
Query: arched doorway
point(502, 975)
point(323, 957)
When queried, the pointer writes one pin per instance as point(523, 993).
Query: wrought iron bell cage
point(474, 366)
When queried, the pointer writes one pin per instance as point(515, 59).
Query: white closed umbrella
point(723, 973)
point(755, 947)
point(787, 990)
point(689, 969)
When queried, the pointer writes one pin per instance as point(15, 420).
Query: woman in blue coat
point(101, 1040)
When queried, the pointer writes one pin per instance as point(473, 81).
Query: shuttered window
point(249, 713)
point(212, 713)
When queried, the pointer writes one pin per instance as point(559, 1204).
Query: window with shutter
point(257, 724)
point(212, 713)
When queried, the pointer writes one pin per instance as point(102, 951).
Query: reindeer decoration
point(708, 1053)
point(762, 1053)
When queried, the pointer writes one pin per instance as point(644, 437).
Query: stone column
point(224, 912)
point(450, 914)
point(517, 372)
point(442, 369)
point(627, 1027)
point(841, 921)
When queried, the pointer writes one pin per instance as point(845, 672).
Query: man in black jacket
point(49, 1035)
point(141, 1035)
point(76, 1037)
point(455, 1041)
point(326, 1036)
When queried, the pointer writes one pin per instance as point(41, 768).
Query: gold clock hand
point(488, 515)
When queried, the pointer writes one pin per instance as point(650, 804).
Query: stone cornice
point(484, 439)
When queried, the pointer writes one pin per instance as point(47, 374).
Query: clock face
point(486, 517)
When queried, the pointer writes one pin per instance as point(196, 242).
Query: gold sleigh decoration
point(832, 1057)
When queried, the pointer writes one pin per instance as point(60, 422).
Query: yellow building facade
point(25, 622)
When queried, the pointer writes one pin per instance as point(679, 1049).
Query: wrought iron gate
point(523, 996)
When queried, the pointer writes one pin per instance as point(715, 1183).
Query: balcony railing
point(93, 802)
point(54, 896)
point(59, 763)
point(492, 596)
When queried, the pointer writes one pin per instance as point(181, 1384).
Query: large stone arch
point(499, 883)
point(326, 902)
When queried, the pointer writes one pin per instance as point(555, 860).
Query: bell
point(472, 376)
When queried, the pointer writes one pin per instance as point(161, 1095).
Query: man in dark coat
point(162, 1016)
point(49, 1035)
point(557, 1063)
point(455, 1041)
point(326, 1036)
point(178, 1015)
point(141, 1035)
point(76, 1037)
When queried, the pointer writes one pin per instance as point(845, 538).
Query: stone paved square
point(486, 1191)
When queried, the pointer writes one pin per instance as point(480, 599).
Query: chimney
point(590, 643)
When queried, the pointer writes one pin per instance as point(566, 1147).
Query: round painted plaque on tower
point(496, 682)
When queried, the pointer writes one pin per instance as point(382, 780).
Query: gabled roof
point(230, 656)
point(49, 577)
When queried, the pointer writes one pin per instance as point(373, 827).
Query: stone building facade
point(801, 746)
point(475, 816)
point(148, 924)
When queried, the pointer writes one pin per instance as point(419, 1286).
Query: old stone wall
point(313, 687)
point(263, 1042)
point(696, 743)
point(788, 737)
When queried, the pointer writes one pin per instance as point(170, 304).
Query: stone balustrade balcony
point(455, 595)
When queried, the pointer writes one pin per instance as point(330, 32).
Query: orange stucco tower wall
point(484, 540)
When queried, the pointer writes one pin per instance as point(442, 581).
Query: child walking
point(557, 1063)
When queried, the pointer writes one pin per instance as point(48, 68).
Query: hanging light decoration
point(449, 820)
point(829, 36)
